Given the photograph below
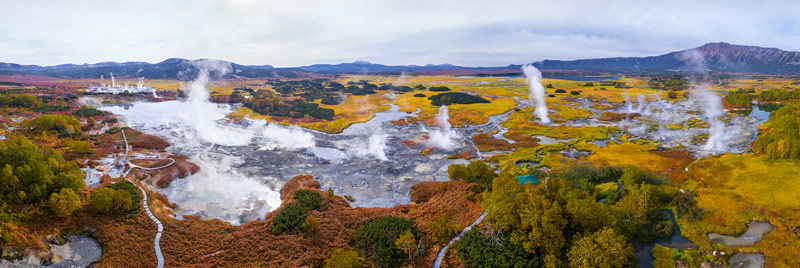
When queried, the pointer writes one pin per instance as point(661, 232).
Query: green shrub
point(331, 100)
point(478, 250)
point(477, 188)
point(291, 218)
point(561, 91)
point(308, 200)
point(376, 240)
point(439, 89)
point(288, 220)
point(88, 112)
point(575, 92)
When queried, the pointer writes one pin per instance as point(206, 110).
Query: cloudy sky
point(297, 32)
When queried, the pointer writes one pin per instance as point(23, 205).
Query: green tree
point(101, 199)
point(122, 200)
point(603, 249)
point(64, 203)
point(344, 258)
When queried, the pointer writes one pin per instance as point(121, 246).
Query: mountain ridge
point(710, 57)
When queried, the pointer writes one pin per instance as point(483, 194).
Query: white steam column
point(536, 91)
point(712, 108)
point(442, 138)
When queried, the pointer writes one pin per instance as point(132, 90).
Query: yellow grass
point(734, 189)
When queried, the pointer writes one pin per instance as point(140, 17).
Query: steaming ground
point(244, 164)
point(241, 175)
point(696, 116)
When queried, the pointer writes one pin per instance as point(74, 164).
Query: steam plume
point(536, 91)
point(442, 138)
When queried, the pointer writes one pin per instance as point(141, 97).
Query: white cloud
point(293, 33)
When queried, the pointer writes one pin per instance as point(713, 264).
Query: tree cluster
point(778, 94)
point(476, 171)
point(782, 139)
point(455, 98)
point(61, 124)
point(572, 218)
point(23, 100)
point(31, 173)
point(739, 98)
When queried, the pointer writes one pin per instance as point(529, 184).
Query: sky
point(290, 33)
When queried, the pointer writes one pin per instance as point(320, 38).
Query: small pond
point(755, 232)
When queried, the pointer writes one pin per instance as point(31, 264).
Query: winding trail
point(157, 244)
point(438, 261)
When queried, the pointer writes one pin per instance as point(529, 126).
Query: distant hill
point(169, 69)
point(364, 67)
point(714, 57)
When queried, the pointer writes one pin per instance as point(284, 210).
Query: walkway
point(438, 261)
point(157, 244)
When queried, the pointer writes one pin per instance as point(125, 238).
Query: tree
point(64, 203)
point(329, 194)
point(407, 243)
point(502, 203)
point(344, 258)
point(586, 215)
point(603, 249)
point(122, 200)
point(541, 226)
point(311, 225)
point(639, 199)
point(457, 172)
point(101, 199)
